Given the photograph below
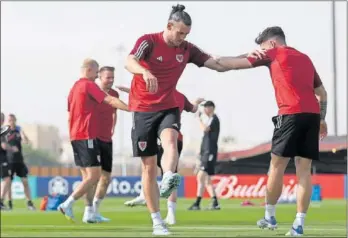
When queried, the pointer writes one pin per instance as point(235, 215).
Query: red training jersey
point(83, 100)
point(184, 104)
point(105, 119)
point(166, 64)
point(294, 78)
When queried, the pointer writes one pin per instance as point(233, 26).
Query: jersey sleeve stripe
point(140, 51)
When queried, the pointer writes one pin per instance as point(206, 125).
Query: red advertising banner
point(254, 186)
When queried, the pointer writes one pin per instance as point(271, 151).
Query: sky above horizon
point(44, 43)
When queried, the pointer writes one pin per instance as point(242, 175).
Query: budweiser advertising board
point(254, 186)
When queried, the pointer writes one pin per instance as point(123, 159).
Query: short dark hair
point(179, 15)
point(209, 104)
point(270, 32)
point(106, 68)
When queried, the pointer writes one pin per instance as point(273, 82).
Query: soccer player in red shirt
point(157, 62)
point(184, 105)
point(83, 101)
point(300, 123)
point(107, 121)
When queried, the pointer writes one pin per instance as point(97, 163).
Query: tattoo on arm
point(323, 108)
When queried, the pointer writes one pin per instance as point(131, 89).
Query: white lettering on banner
point(228, 187)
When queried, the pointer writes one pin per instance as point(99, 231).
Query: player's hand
point(151, 82)
point(215, 57)
point(122, 88)
point(199, 101)
point(14, 148)
point(323, 129)
point(257, 54)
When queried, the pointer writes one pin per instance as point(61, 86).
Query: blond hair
point(89, 63)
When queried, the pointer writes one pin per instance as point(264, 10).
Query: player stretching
point(184, 104)
point(83, 100)
point(157, 62)
point(300, 122)
point(107, 121)
point(16, 160)
point(208, 156)
point(4, 168)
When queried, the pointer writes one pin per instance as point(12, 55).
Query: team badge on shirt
point(142, 145)
point(180, 58)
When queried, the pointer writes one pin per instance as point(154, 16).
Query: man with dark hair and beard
point(157, 61)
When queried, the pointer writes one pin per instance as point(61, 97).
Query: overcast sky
point(44, 43)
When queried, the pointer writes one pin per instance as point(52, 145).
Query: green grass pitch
point(327, 218)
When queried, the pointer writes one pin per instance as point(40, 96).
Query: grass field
point(325, 219)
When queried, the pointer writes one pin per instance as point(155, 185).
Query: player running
point(83, 101)
point(300, 122)
point(107, 122)
point(157, 62)
point(184, 105)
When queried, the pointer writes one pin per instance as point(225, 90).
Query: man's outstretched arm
point(223, 64)
point(245, 61)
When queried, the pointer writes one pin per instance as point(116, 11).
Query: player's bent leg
point(273, 190)
point(91, 176)
point(170, 180)
point(102, 187)
point(106, 151)
point(169, 138)
point(89, 215)
point(140, 200)
point(304, 192)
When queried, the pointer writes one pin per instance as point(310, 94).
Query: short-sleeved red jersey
point(184, 105)
point(166, 64)
point(105, 119)
point(83, 100)
point(294, 78)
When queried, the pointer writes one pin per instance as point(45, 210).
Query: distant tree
point(38, 157)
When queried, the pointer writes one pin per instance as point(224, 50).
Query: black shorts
point(105, 149)
point(4, 170)
point(296, 135)
point(207, 163)
point(86, 153)
point(160, 154)
point(19, 169)
point(147, 127)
